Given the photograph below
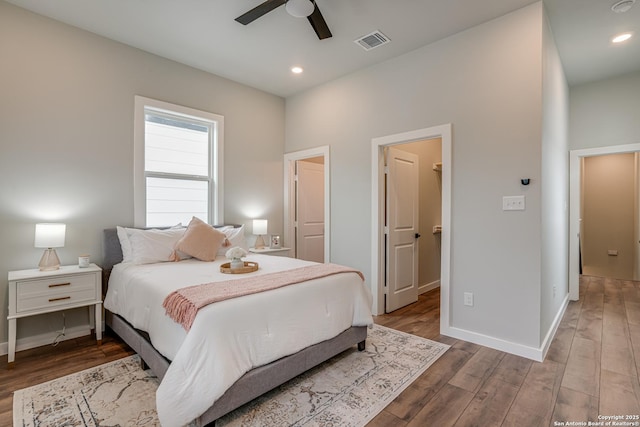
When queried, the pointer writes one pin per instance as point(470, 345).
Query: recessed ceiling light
point(623, 6)
point(621, 38)
point(296, 70)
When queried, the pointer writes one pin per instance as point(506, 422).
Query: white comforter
point(231, 337)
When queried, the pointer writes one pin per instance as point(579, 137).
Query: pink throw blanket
point(183, 305)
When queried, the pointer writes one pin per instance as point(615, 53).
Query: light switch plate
point(468, 299)
point(513, 203)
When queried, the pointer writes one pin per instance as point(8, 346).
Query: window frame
point(216, 150)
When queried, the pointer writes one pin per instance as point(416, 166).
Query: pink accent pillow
point(200, 240)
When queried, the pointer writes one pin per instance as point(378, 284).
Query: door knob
point(417, 235)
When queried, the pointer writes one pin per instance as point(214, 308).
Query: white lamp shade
point(299, 8)
point(50, 235)
point(259, 226)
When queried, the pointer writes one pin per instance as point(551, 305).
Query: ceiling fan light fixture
point(300, 8)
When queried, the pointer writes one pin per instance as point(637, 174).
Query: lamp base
point(49, 260)
point(259, 242)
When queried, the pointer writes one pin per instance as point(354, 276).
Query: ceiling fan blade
point(259, 10)
point(319, 24)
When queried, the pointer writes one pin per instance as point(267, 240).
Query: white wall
point(487, 82)
point(66, 141)
point(605, 113)
point(555, 187)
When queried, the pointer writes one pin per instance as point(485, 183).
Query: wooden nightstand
point(34, 292)
point(269, 251)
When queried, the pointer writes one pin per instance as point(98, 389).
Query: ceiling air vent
point(372, 40)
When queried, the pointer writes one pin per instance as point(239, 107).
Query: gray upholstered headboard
point(111, 249)
point(112, 252)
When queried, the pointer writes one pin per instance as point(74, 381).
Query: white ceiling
point(204, 34)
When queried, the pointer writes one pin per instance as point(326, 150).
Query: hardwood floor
point(591, 368)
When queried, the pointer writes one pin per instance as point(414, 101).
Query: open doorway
point(576, 161)
point(308, 237)
point(378, 254)
point(609, 213)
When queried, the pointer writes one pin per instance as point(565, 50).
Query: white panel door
point(403, 232)
point(310, 211)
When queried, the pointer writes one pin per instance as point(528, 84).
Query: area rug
point(348, 390)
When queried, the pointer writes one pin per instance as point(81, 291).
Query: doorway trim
point(575, 191)
point(289, 192)
point(377, 213)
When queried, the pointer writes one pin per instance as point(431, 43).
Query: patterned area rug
point(348, 390)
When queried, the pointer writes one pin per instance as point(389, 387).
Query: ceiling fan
point(297, 8)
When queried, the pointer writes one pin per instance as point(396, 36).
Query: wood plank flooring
point(591, 368)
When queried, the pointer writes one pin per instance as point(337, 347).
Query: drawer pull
point(60, 284)
point(58, 299)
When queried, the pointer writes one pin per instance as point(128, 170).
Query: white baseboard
point(538, 354)
point(495, 343)
point(428, 286)
point(45, 339)
point(554, 327)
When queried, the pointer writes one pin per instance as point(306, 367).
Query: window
point(177, 164)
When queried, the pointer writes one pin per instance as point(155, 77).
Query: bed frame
point(252, 384)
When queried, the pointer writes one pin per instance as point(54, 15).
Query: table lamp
point(49, 236)
point(259, 228)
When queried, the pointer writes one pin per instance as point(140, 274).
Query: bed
point(172, 353)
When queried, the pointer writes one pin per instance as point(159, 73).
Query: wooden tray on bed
point(249, 266)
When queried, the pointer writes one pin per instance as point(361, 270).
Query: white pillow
point(125, 244)
point(235, 236)
point(151, 246)
point(125, 234)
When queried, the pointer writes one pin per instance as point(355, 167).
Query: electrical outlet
point(513, 203)
point(468, 299)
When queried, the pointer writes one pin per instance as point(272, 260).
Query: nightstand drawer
point(39, 302)
point(53, 292)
